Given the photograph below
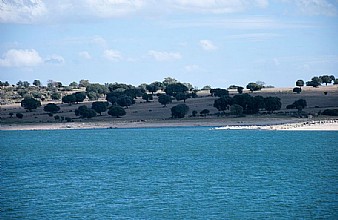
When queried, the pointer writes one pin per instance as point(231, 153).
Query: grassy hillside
point(153, 111)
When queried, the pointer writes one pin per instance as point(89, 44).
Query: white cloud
point(192, 68)
point(207, 45)
point(85, 55)
point(164, 56)
point(112, 55)
point(55, 59)
point(21, 11)
point(317, 7)
point(113, 8)
point(99, 41)
point(21, 58)
point(253, 36)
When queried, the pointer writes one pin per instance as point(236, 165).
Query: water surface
point(169, 173)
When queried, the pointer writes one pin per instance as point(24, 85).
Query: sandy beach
point(277, 124)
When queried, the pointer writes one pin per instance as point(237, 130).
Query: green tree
point(236, 110)
point(299, 104)
point(181, 96)
point(175, 88)
point(25, 84)
point(70, 99)
point(100, 107)
point(253, 87)
point(30, 103)
point(97, 88)
point(325, 79)
point(300, 83)
point(240, 89)
point(152, 88)
point(74, 84)
point(19, 115)
point(147, 97)
point(335, 82)
point(194, 113)
point(297, 90)
point(223, 103)
point(84, 83)
point(124, 101)
point(168, 80)
point(37, 83)
point(204, 112)
point(55, 96)
point(51, 107)
point(219, 92)
point(315, 82)
point(19, 83)
point(85, 112)
point(272, 104)
point(80, 96)
point(116, 111)
point(179, 111)
point(164, 99)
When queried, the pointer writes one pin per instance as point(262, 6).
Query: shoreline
point(251, 124)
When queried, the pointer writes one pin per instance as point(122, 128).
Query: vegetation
point(254, 87)
point(300, 83)
point(30, 103)
point(51, 107)
point(100, 107)
point(179, 111)
point(70, 99)
point(297, 90)
point(330, 112)
point(236, 110)
point(116, 111)
point(204, 112)
point(300, 104)
point(85, 112)
point(19, 115)
point(164, 100)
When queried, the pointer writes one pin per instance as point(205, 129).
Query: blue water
point(168, 173)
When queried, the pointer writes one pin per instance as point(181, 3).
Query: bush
point(51, 107)
point(179, 111)
point(297, 90)
point(194, 113)
point(204, 112)
point(330, 112)
point(116, 111)
point(19, 115)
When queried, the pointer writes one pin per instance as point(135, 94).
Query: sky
point(203, 42)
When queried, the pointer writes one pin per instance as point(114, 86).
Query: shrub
point(204, 112)
point(297, 90)
point(179, 111)
point(116, 111)
point(330, 112)
point(19, 115)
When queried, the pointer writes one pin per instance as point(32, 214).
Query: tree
point(147, 97)
point(19, 115)
point(240, 89)
point(194, 113)
point(152, 88)
point(300, 83)
point(297, 90)
point(37, 83)
point(315, 82)
point(223, 103)
point(100, 107)
point(79, 96)
point(30, 104)
point(236, 110)
point(181, 96)
point(116, 111)
point(19, 84)
point(204, 112)
point(272, 104)
point(164, 100)
point(70, 99)
point(85, 112)
point(335, 82)
point(124, 101)
point(300, 104)
point(207, 87)
point(168, 80)
point(55, 96)
point(179, 111)
point(84, 83)
point(175, 88)
point(325, 79)
point(51, 107)
point(219, 92)
point(11, 114)
point(74, 84)
point(253, 87)
point(97, 88)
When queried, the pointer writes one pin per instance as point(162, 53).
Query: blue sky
point(204, 42)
